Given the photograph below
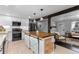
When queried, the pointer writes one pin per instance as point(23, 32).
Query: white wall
point(7, 23)
point(25, 24)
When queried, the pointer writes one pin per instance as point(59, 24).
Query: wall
point(25, 24)
point(65, 21)
point(53, 24)
point(43, 25)
point(6, 22)
point(63, 26)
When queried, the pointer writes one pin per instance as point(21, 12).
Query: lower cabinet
point(27, 40)
point(34, 44)
point(45, 45)
point(34, 48)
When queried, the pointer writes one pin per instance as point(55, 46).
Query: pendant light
point(34, 18)
point(41, 14)
point(41, 18)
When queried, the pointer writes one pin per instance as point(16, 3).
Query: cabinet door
point(27, 40)
point(35, 49)
point(33, 41)
point(23, 36)
point(34, 44)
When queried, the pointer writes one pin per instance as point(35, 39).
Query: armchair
point(59, 37)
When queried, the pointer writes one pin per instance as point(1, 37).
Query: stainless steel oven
point(16, 34)
point(16, 30)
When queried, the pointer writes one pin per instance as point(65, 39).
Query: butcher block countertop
point(39, 34)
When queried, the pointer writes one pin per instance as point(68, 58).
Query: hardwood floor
point(17, 47)
point(63, 50)
point(70, 45)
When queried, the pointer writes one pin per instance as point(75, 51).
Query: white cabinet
point(27, 38)
point(34, 44)
point(46, 45)
point(23, 35)
point(35, 48)
point(33, 41)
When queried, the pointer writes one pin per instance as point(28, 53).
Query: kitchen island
point(40, 42)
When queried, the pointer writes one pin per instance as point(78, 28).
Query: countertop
point(39, 34)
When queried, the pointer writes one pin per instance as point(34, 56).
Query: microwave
point(16, 23)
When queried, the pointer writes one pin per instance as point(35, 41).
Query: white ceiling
point(28, 10)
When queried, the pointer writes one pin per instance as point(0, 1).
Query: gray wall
point(63, 22)
point(43, 25)
point(63, 26)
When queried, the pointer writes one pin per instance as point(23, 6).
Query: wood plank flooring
point(17, 47)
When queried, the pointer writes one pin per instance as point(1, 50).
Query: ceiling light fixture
point(34, 18)
point(41, 14)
